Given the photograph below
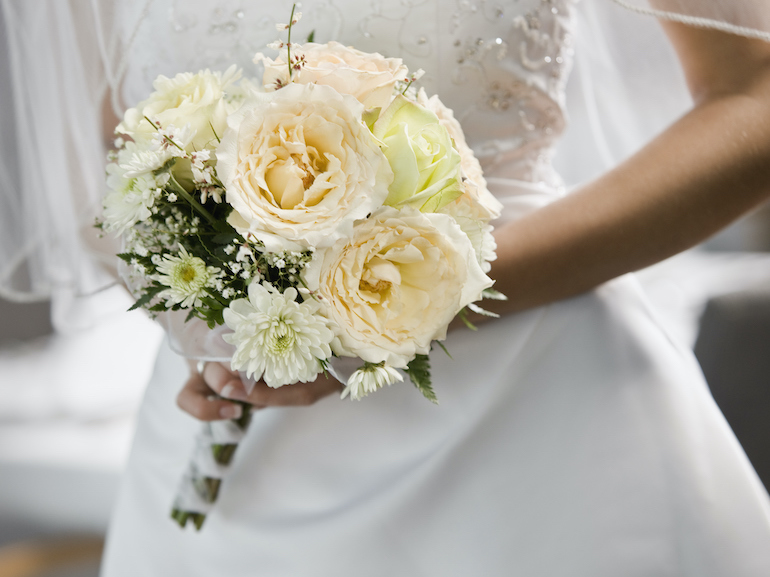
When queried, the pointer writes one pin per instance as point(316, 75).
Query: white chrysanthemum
point(277, 338)
point(369, 378)
point(130, 199)
point(165, 145)
point(186, 276)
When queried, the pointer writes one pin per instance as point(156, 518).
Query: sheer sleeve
point(627, 85)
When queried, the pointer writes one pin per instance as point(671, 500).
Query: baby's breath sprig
point(293, 19)
point(412, 79)
point(164, 136)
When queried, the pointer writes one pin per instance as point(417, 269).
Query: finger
point(298, 394)
point(224, 382)
point(199, 400)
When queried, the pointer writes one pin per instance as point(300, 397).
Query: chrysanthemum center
point(282, 338)
point(189, 273)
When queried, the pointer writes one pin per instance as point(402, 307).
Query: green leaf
point(311, 36)
point(212, 303)
point(483, 312)
point(145, 299)
point(492, 294)
point(463, 314)
point(225, 237)
point(419, 373)
point(443, 348)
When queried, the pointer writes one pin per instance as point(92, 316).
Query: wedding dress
point(576, 439)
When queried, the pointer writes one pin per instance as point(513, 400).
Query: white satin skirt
point(572, 440)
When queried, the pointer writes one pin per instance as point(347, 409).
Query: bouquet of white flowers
point(335, 211)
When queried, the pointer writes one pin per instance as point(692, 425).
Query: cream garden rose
point(299, 167)
point(370, 78)
point(426, 165)
point(201, 100)
point(394, 286)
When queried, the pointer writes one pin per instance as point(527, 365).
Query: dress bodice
point(500, 65)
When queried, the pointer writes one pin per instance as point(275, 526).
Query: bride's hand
point(205, 396)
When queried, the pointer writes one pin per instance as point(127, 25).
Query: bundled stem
point(206, 487)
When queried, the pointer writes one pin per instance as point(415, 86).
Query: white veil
point(52, 83)
point(59, 58)
point(626, 86)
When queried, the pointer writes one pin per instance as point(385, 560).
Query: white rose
point(370, 78)
point(199, 100)
point(395, 285)
point(426, 165)
point(480, 202)
point(299, 167)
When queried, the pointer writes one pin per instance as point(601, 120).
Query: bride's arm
point(706, 170)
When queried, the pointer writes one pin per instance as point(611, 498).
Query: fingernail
point(231, 412)
point(230, 391)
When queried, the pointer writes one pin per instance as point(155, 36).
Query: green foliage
point(463, 314)
point(144, 300)
point(483, 312)
point(492, 294)
point(419, 373)
point(443, 348)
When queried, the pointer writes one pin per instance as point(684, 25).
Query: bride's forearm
point(706, 170)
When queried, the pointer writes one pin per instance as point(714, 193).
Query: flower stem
point(288, 42)
point(156, 127)
point(206, 487)
point(179, 189)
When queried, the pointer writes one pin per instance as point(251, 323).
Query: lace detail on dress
point(500, 64)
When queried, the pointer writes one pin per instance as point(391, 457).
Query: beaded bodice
point(500, 64)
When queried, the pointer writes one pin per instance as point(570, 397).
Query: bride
point(574, 437)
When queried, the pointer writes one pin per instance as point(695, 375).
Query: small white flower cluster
point(369, 379)
point(132, 196)
point(289, 263)
point(296, 60)
point(167, 143)
point(204, 176)
point(297, 16)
